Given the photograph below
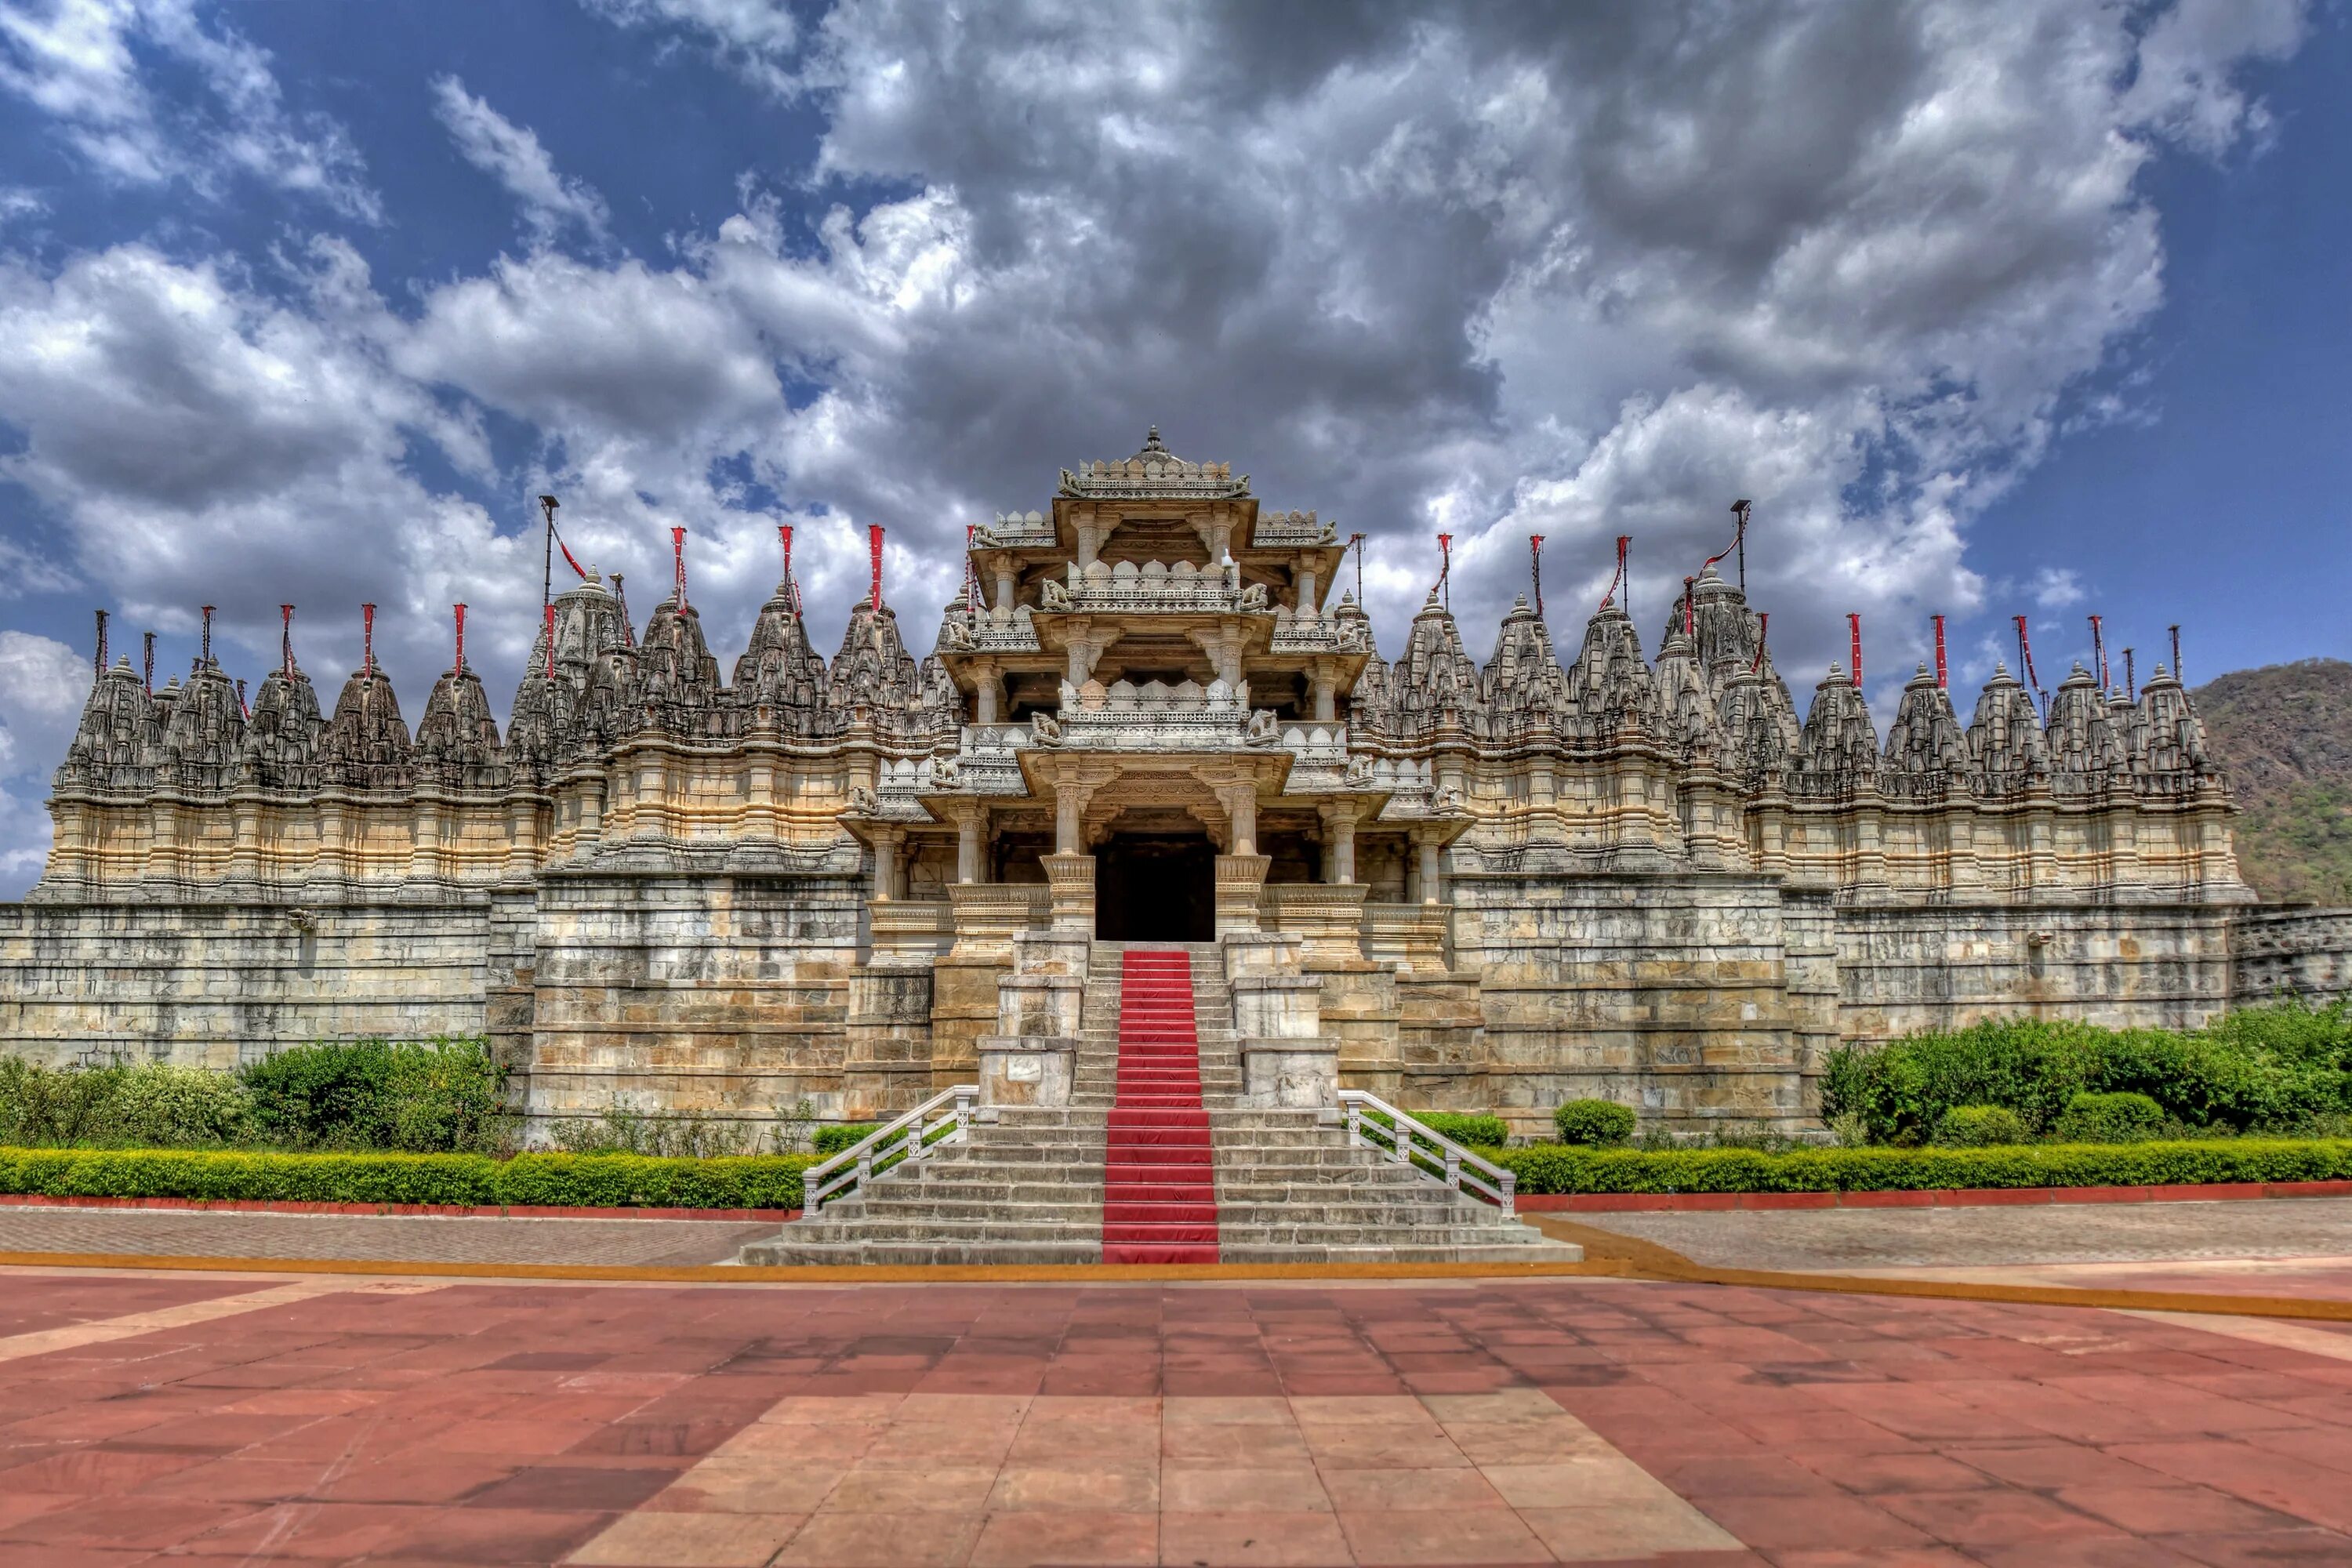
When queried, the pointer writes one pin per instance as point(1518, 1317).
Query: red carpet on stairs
point(1160, 1190)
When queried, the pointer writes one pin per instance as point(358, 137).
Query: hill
point(2284, 734)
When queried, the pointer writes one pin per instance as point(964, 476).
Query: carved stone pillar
point(1429, 877)
point(971, 824)
point(1240, 801)
point(1072, 879)
point(1240, 878)
point(988, 691)
point(1326, 682)
point(1006, 577)
point(1339, 845)
point(886, 841)
point(1307, 593)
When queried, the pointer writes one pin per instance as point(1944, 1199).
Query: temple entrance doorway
point(1156, 887)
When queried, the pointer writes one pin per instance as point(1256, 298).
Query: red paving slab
point(527, 1424)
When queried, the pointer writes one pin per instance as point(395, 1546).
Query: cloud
point(511, 155)
point(78, 62)
point(1500, 270)
point(2054, 588)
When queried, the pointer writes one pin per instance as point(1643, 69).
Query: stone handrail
point(1408, 1143)
point(910, 1138)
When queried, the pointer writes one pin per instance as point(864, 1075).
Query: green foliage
point(1596, 1123)
point(2125, 1117)
point(1982, 1127)
point(1471, 1128)
point(420, 1097)
point(603, 1181)
point(2284, 734)
point(624, 1128)
point(146, 1102)
point(1558, 1168)
point(833, 1140)
point(2262, 1069)
point(178, 1108)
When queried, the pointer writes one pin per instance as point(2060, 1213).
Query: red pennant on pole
point(1853, 626)
point(460, 666)
point(678, 551)
point(286, 641)
point(874, 549)
point(367, 638)
point(1939, 653)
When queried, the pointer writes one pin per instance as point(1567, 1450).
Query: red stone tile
point(1996, 1518)
point(2172, 1510)
point(150, 1524)
point(1770, 1523)
point(2266, 1549)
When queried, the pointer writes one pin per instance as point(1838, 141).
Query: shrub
point(2261, 1068)
point(2109, 1119)
point(1472, 1129)
point(1981, 1127)
point(604, 1181)
point(55, 1105)
point(624, 1128)
point(833, 1140)
point(1597, 1124)
point(173, 1107)
point(1555, 1168)
point(423, 1098)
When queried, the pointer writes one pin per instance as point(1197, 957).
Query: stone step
point(789, 1252)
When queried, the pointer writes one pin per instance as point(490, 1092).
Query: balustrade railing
point(942, 1120)
point(1377, 1124)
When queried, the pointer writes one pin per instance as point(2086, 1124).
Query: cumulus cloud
point(77, 61)
point(1502, 271)
point(512, 155)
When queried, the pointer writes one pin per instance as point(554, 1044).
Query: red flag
point(577, 570)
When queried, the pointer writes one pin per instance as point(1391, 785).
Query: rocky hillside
point(2284, 734)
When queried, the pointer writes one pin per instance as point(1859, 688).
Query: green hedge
point(1556, 1168)
point(2282, 1071)
point(588, 1181)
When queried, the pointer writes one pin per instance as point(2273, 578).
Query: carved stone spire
point(1926, 739)
point(206, 733)
point(2086, 749)
point(1610, 687)
point(1683, 698)
point(677, 680)
point(366, 744)
point(2172, 739)
point(106, 753)
point(874, 672)
point(1434, 684)
point(780, 675)
point(1839, 751)
point(2005, 735)
point(457, 739)
point(281, 739)
point(1523, 691)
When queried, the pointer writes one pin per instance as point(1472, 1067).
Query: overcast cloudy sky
point(2007, 306)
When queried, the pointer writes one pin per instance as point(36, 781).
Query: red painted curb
point(445, 1210)
point(1936, 1197)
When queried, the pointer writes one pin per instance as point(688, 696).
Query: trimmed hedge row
point(567, 1181)
point(1555, 1168)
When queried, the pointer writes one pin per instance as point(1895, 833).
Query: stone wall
point(213, 985)
point(1901, 970)
point(705, 993)
point(2305, 952)
point(1668, 993)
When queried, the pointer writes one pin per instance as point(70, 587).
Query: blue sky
point(2031, 306)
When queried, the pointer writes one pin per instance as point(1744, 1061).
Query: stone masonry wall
point(707, 994)
point(1669, 992)
point(2305, 952)
point(215, 984)
point(1901, 970)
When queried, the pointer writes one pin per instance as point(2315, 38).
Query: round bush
point(1981, 1127)
point(2123, 1118)
point(1597, 1124)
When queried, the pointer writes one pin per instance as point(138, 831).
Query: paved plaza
point(211, 1418)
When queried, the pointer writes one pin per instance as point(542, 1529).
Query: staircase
point(1154, 1162)
point(1160, 1192)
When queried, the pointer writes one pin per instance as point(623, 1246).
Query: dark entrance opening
point(1156, 887)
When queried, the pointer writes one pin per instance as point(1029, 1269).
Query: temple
point(1638, 873)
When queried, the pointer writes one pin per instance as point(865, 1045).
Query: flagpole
point(546, 571)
